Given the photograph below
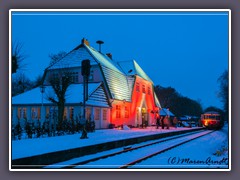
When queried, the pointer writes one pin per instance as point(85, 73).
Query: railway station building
point(119, 93)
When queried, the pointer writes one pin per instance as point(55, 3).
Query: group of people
point(164, 121)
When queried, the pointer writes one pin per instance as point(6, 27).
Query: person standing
point(162, 121)
point(166, 121)
point(158, 121)
point(175, 122)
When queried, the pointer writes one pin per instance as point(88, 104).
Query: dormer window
point(143, 89)
point(149, 91)
point(137, 87)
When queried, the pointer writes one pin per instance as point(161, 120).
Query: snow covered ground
point(36, 146)
point(211, 151)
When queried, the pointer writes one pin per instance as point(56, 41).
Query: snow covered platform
point(38, 152)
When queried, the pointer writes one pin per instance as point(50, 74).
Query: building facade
point(119, 93)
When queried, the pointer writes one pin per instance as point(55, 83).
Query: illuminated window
point(104, 114)
point(88, 113)
point(143, 89)
point(39, 113)
point(22, 113)
point(137, 87)
point(97, 114)
point(65, 113)
point(118, 111)
point(36, 113)
point(126, 112)
point(149, 91)
point(51, 111)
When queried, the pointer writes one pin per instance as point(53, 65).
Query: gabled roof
point(74, 59)
point(116, 75)
point(116, 79)
point(103, 59)
point(74, 95)
point(131, 67)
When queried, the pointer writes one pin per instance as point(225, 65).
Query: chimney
point(109, 55)
point(100, 43)
point(85, 41)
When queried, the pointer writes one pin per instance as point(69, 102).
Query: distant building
point(119, 92)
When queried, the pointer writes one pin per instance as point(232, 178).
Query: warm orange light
point(140, 101)
point(206, 123)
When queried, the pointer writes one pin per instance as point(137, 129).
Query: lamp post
point(42, 89)
point(85, 73)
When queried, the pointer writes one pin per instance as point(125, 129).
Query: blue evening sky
point(185, 50)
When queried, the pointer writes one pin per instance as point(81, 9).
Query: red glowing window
point(137, 87)
point(118, 111)
point(126, 112)
point(149, 91)
point(143, 89)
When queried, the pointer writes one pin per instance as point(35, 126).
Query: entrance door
point(144, 117)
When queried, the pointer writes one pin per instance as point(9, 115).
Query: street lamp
point(42, 90)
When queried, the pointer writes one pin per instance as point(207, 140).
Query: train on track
point(212, 120)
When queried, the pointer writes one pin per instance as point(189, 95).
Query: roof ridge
point(104, 57)
point(86, 47)
point(142, 73)
point(99, 84)
point(77, 47)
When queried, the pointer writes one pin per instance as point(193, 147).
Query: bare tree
point(60, 81)
point(38, 80)
point(56, 57)
point(17, 56)
point(21, 83)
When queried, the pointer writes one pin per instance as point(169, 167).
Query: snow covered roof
point(74, 94)
point(166, 112)
point(115, 74)
point(157, 101)
point(103, 59)
point(131, 67)
point(117, 82)
point(73, 59)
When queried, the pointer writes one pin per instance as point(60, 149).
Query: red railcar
point(212, 120)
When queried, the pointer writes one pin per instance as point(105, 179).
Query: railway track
point(163, 150)
point(136, 154)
